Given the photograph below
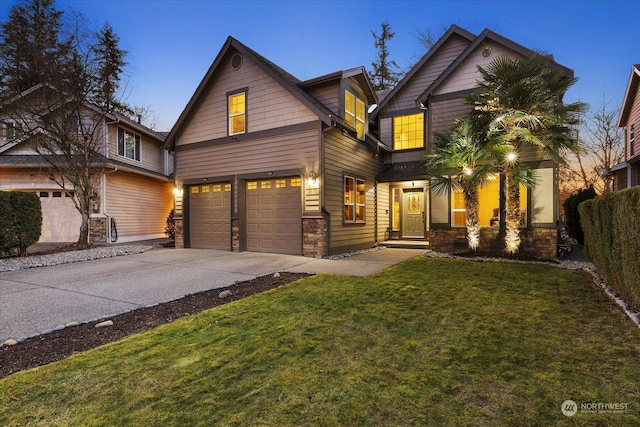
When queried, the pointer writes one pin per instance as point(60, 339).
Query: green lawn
point(428, 342)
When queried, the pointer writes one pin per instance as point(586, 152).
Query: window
point(128, 144)
point(83, 124)
point(408, 132)
point(10, 130)
point(237, 113)
point(489, 209)
point(355, 113)
point(354, 198)
point(632, 137)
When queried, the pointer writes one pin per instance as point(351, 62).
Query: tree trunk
point(83, 238)
point(473, 223)
point(512, 210)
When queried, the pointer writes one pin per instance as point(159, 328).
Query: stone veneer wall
point(179, 231)
point(538, 242)
point(98, 230)
point(314, 237)
point(235, 235)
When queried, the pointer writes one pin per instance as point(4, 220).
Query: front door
point(413, 213)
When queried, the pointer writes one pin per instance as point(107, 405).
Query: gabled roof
point(453, 30)
point(358, 73)
point(286, 80)
point(495, 37)
point(629, 95)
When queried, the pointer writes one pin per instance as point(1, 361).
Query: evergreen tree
point(384, 75)
point(110, 65)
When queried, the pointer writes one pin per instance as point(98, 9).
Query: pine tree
point(110, 65)
point(384, 75)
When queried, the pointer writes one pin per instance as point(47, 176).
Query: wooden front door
point(413, 213)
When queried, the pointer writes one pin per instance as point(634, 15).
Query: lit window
point(281, 183)
point(354, 199)
point(217, 188)
point(227, 188)
point(195, 189)
point(237, 113)
point(265, 184)
point(128, 144)
point(253, 185)
point(355, 113)
point(296, 182)
point(205, 188)
point(408, 132)
point(489, 209)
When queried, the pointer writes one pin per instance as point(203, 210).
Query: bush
point(170, 228)
point(574, 226)
point(611, 225)
point(20, 221)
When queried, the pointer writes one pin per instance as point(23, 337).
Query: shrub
point(574, 226)
point(170, 228)
point(611, 225)
point(20, 221)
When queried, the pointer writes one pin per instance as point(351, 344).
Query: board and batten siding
point(297, 150)
point(139, 205)
point(430, 71)
point(269, 104)
point(346, 156)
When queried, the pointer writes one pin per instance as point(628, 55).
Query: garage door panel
point(210, 217)
point(60, 219)
point(274, 214)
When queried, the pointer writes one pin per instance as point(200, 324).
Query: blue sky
point(171, 44)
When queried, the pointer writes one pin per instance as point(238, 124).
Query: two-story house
point(627, 173)
point(267, 162)
point(133, 189)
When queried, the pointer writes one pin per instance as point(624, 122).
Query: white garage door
point(210, 216)
point(60, 219)
point(274, 216)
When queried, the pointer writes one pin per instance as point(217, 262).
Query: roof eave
point(629, 94)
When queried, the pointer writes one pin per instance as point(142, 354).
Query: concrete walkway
point(36, 300)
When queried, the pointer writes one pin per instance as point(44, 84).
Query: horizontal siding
point(139, 205)
point(328, 95)
point(151, 153)
point(269, 104)
point(634, 118)
point(443, 113)
point(281, 152)
point(344, 155)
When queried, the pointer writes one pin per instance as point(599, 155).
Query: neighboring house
point(266, 162)
point(134, 195)
point(627, 173)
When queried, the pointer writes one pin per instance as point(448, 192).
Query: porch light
point(512, 157)
point(312, 177)
point(177, 191)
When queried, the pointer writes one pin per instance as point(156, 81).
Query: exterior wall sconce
point(177, 191)
point(312, 177)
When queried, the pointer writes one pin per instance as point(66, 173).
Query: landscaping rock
point(105, 324)
point(225, 294)
point(9, 342)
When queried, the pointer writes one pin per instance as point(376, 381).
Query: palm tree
point(459, 163)
point(520, 103)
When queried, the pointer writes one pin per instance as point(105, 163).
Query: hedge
point(611, 225)
point(20, 221)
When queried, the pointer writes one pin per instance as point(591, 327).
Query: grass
point(428, 342)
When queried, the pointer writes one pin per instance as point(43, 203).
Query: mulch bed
point(60, 344)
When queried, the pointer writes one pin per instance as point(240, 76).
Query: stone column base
point(314, 237)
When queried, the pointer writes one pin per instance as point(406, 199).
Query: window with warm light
point(237, 113)
point(355, 111)
point(354, 199)
point(489, 209)
point(408, 132)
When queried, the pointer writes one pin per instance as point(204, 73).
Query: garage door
point(274, 216)
point(60, 219)
point(210, 216)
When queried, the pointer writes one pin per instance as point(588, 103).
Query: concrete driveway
point(37, 300)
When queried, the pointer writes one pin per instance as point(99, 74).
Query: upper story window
point(10, 130)
point(408, 132)
point(632, 137)
point(237, 107)
point(355, 112)
point(354, 199)
point(84, 124)
point(128, 144)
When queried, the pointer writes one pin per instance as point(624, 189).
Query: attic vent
point(486, 52)
point(236, 61)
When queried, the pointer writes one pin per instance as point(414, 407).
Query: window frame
point(122, 144)
point(352, 113)
point(352, 205)
point(395, 126)
point(632, 137)
point(231, 116)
